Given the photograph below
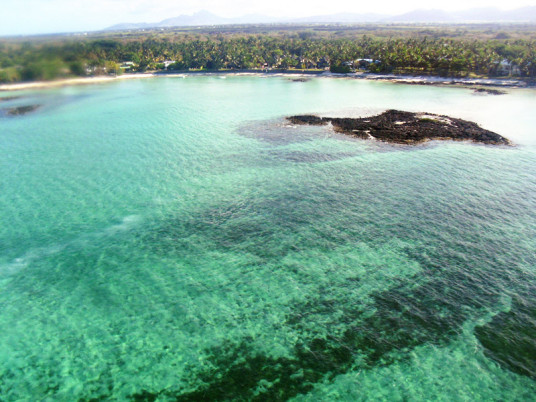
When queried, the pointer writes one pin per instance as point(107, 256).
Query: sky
point(21, 17)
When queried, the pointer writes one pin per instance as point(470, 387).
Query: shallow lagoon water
point(176, 239)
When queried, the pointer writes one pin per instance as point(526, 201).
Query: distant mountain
point(521, 14)
point(255, 19)
point(423, 16)
point(342, 17)
point(486, 14)
point(477, 15)
point(480, 14)
point(489, 14)
point(128, 25)
point(197, 19)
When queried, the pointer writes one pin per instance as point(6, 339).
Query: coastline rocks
point(8, 98)
point(406, 127)
point(309, 120)
point(489, 91)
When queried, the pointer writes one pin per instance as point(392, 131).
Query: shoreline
point(399, 79)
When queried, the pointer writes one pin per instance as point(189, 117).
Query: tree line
point(29, 61)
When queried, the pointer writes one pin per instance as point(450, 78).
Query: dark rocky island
point(406, 127)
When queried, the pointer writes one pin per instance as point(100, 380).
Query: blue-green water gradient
point(177, 239)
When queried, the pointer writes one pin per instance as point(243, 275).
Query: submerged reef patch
point(510, 337)
point(21, 110)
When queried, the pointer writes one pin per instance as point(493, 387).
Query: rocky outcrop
point(406, 127)
point(489, 91)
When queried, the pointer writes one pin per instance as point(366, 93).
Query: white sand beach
point(422, 80)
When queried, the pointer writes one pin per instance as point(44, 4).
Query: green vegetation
point(441, 50)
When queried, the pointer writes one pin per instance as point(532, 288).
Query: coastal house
point(506, 67)
point(127, 65)
point(95, 70)
point(348, 66)
point(168, 63)
point(364, 64)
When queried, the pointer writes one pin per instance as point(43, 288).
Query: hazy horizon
point(29, 17)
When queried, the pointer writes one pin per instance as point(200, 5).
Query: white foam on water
point(22, 262)
point(127, 223)
point(12, 267)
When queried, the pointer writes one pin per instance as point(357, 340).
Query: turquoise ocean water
point(176, 239)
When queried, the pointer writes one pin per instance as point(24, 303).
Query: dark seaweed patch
point(21, 110)
point(456, 284)
point(263, 237)
point(510, 338)
point(404, 317)
point(301, 79)
point(144, 396)
point(310, 157)
point(239, 374)
point(274, 133)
